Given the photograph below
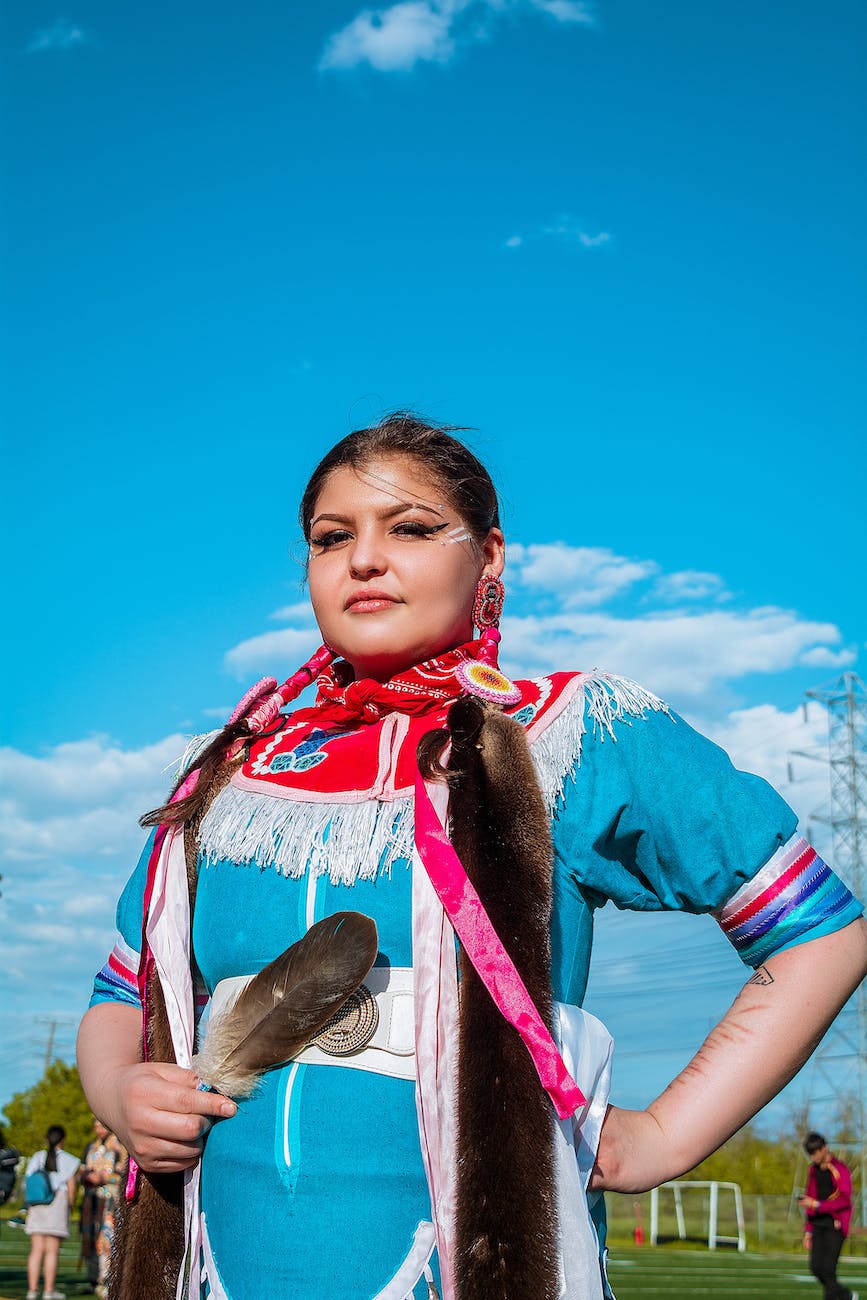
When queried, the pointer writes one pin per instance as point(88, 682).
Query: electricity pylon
point(840, 1064)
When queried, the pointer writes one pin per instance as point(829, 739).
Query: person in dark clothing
point(9, 1157)
point(827, 1204)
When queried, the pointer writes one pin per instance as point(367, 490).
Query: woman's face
point(393, 567)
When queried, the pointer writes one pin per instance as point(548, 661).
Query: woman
point(323, 1182)
point(47, 1225)
point(100, 1175)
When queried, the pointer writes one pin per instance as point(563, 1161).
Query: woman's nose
point(367, 557)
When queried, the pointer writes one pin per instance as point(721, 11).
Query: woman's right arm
point(154, 1108)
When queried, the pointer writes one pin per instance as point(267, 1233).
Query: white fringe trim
point(605, 699)
point(196, 746)
point(359, 841)
point(345, 841)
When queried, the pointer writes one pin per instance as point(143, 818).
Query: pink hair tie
point(246, 702)
point(260, 719)
point(488, 646)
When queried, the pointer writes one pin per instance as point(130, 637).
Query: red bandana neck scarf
point(421, 689)
point(359, 741)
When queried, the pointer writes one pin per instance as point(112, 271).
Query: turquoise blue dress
point(316, 1187)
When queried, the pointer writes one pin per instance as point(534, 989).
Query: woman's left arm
point(773, 1025)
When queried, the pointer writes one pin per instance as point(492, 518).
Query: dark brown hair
point(54, 1137)
point(451, 466)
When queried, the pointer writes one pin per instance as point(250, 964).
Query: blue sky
point(623, 242)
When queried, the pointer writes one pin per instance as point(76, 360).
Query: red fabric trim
point(768, 895)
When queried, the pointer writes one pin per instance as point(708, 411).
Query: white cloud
point(83, 905)
point(69, 838)
point(581, 576)
point(277, 652)
point(689, 658)
point(81, 798)
point(565, 11)
point(397, 37)
point(393, 39)
point(823, 657)
point(571, 231)
point(273, 652)
point(61, 35)
point(690, 584)
point(566, 229)
point(298, 613)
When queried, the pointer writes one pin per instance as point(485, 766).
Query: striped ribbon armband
point(792, 894)
point(118, 979)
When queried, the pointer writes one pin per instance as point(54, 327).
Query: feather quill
point(287, 1003)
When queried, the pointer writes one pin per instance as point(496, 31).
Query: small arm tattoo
point(761, 976)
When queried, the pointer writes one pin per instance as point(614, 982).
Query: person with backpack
point(50, 1188)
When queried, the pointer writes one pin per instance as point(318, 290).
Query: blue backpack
point(38, 1189)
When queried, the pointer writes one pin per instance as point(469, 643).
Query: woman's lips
point(369, 602)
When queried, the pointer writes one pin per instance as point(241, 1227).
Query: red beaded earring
point(488, 604)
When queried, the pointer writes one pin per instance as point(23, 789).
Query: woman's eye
point(326, 540)
point(415, 528)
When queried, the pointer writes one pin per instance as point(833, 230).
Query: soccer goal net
point(698, 1209)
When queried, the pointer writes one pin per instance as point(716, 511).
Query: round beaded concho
point(487, 682)
point(352, 1027)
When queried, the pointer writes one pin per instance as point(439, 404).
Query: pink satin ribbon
point(492, 963)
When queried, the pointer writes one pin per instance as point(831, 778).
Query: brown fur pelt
point(148, 1250)
point(506, 1232)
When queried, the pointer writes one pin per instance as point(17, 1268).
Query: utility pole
point(49, 1047)
point(841, 1061)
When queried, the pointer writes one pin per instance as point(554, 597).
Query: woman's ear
point(493, 550)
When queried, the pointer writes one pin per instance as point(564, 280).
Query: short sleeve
point(67, 1166)
point(117, 981)
point(658, 818)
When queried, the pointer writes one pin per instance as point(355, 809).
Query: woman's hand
point(161, 1116)
point(633, 1154)
point(155, 1109)
point(776, 1021)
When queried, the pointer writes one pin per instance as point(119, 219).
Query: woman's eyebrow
point(399, 509)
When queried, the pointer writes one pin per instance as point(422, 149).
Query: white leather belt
point(387, 1048)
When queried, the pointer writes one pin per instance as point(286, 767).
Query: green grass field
point(635, 1272)
point(657, 1271)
